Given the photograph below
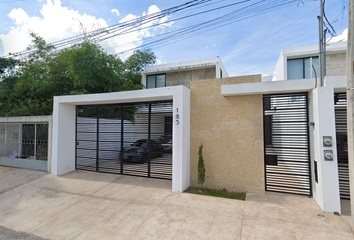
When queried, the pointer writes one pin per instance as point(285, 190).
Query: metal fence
point(24, 140)
point(340, 106)
point(131, 139)
point(286, 143)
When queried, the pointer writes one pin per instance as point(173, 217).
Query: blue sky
point(249, 46)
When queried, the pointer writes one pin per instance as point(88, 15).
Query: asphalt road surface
point(8, 234)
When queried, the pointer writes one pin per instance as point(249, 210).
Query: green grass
point(216, 193)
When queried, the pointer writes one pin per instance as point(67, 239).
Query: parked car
point(164, 139)
point(138, 151)
point(342, 148)
point(167, 147)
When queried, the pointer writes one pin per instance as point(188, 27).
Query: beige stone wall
point(185, 77)
point(336, 64)
point(231, 130)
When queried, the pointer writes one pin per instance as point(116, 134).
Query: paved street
point(89, 205)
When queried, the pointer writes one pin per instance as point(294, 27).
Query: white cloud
point(57, 22)
point(340, 38)
point(115, 11)
point(213, 45)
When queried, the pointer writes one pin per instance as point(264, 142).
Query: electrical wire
point(162, 39)
point(327, 23)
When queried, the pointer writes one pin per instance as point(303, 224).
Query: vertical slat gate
point(340, 106)
point(130, 139)
point(286, 144)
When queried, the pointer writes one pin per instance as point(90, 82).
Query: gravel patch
point(8, 234)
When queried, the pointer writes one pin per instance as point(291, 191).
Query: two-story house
point(182, 73)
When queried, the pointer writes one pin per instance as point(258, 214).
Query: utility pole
point(320, 44)
point(350, 101)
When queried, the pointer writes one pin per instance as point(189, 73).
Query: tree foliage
point(27, 86)
point(201, 167)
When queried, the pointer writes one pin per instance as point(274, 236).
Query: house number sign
point(177, 117)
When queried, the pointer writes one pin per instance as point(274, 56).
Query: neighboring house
point(182, 73)
point(296, 63)
point(25, 142)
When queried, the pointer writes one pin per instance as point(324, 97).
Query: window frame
point(147, 82)
point(303, 66)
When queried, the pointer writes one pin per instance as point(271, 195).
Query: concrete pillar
point(350, 100)
point(181, 141)
point(63, 142)
point(326, 191)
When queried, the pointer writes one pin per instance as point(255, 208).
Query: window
point(301, 68)
point(156, 81)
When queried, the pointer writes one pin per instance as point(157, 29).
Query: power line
point(265, 39)
point(242, 13)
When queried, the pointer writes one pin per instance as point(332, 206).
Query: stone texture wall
point(336, 64)
point(231, 130)
point(185, 77)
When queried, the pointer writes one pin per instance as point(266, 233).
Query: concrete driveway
point(89, 205)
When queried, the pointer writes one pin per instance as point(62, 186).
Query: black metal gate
point(286, 143)
point(340, 106)
point(130, 138)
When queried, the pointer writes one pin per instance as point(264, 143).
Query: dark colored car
point(138, 151)
point(342, 148)
point(164, 139)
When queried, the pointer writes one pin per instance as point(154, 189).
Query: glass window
point(301, 68)
point(160, 81)
point(308, 62)
point(151, 81)
point(295, 69)
point(156, 81)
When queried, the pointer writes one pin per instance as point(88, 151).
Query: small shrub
point(201, 167)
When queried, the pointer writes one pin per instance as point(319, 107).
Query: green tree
point(84, 68)
point(8, 80)
point(201, 167)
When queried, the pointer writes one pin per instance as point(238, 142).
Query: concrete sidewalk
point(89, 205)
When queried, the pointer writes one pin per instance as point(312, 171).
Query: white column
point(326, 191)
point(63, 143)
point(181, 140)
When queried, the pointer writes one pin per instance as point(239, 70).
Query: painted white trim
point(63, 152)
point(285, 86)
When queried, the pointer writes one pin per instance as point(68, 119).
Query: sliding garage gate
point(286, 143)
point(131, 139)
point(340, 106)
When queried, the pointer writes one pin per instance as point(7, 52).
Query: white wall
point(63, 154)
